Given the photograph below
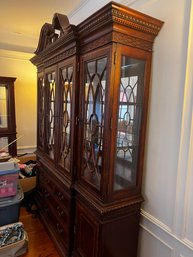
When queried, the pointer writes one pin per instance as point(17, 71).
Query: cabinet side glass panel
point(93, 123)
point(50, 112)
point(41, 111)
point(128, 122)
point(3, 106)
point(66, 79)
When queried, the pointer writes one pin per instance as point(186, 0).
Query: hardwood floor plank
point(40, 245)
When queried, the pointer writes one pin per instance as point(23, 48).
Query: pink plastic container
point(8, 184)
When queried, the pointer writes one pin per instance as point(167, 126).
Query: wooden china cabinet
point(93, 87)
point(7, 116)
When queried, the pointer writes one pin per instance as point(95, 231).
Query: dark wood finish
point(10, 131)
point(106, 235)
point(93, 88)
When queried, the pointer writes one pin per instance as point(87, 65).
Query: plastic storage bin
point(10, 207)
point(8, 166)
point(14, 240)
point(9, 174)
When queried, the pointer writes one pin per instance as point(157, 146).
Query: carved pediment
point(51, 32)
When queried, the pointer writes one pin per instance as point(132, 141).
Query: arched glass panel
point(95, 86)
point(128, 122)
point(65, 119)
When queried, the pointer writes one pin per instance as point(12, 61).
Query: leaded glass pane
point(65, 151)
point(51, 84)
point(95, 86)
point(129, 118)
point(41, 112)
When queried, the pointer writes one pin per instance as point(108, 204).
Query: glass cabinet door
point(7, 116)
point(66, 91)
point(41, 111)
point(4, 116)
point(130, 97)
point(50, 84)
point(95, 83)
point(3, 106)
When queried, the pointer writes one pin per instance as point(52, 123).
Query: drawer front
point(56, 189)
point(55, 209)
point(57, 227)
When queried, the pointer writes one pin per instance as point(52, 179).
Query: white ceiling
point(21, 21)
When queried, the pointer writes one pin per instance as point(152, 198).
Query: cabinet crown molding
point(50, 33)
point(114, 13)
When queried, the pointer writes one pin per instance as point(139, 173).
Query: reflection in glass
point(65, 151)
point(3, 106)
point(95, 86)
point(41, 112)
point(51, 84)
point(129, 118)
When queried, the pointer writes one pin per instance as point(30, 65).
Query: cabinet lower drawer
point(56, 212)
point(59, 229)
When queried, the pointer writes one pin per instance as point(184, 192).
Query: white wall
point(166, 216)
point(167, 227)
point(17, 64)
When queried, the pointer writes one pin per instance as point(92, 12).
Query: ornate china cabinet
point(93, 88)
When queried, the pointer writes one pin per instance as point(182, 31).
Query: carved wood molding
point(112, 13)
point(50, 33)
point(107, 208)
point(44, 60)
point(90, 24)
point(111, 17)
point(96, 43)
point(118, 38)
point(61, 56)
point(132, 41)
point(133, 21)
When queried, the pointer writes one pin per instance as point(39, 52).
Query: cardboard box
point(26, 158)
point(27, 183)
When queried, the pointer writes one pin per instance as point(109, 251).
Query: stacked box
point(27, 183)
point(10, 207)
point(13, 238)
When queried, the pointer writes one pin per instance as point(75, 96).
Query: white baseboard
point(160, 232)
point(26, 149)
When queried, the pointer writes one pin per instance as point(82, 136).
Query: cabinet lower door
point(87, 233)
point(113, 234)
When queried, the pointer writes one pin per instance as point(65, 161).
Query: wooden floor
point(40, 245)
